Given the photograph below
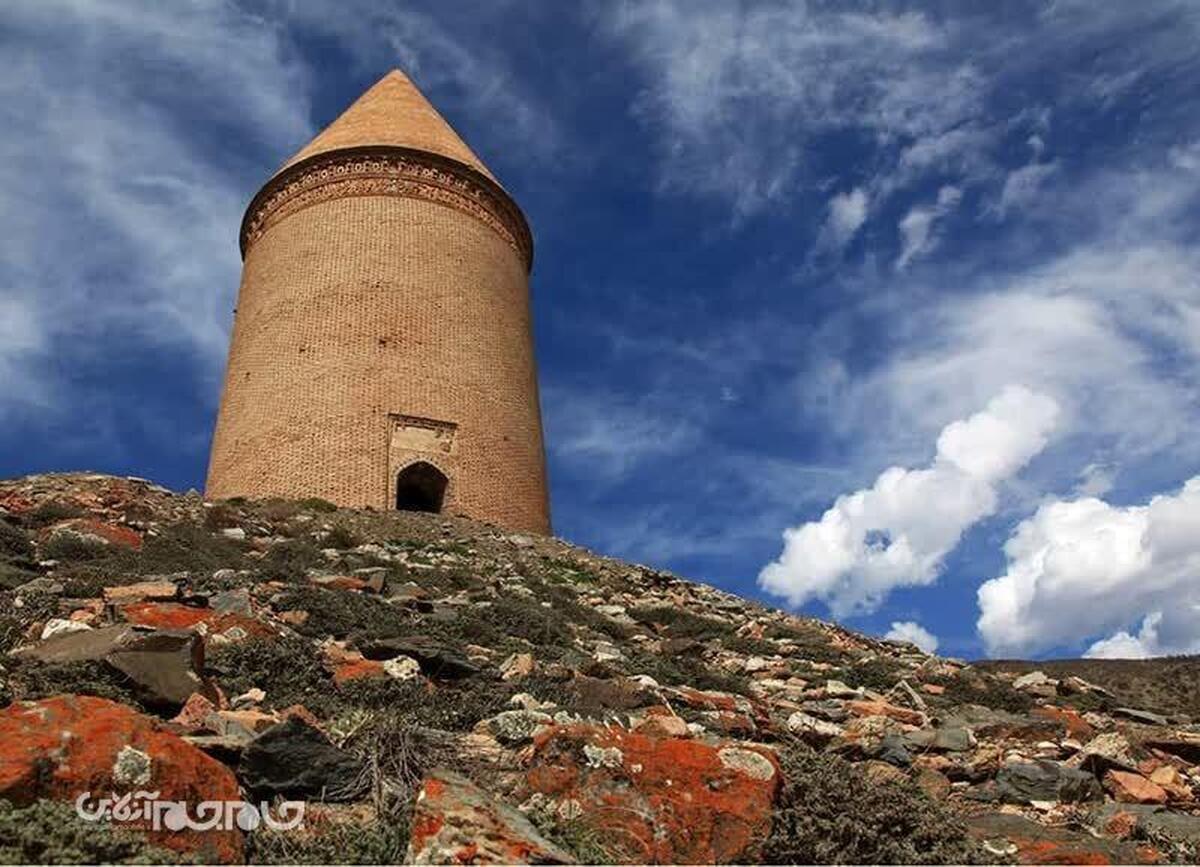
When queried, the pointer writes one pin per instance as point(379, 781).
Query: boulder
point(437, 660)
point(1004, 835)
point(294, 759)
point(455, 822)
point(954, 739)
point(658, 800)
point(1130, 788)
point(1023, 783)
point(165, 664)
point(1109, 750)
point(61, 747)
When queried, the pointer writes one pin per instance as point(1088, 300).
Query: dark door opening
point(420, 487)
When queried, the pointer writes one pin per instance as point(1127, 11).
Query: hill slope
point(439, 690)
point(1169, 685)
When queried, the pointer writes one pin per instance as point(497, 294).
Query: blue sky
point(915, 282)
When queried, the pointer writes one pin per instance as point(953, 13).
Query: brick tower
point(382, 353)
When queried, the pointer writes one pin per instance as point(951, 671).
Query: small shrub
point(528, 619)
point(812, 643)
point(340, 537)
point(330, 843)
point(291, 560)
point(183, 547)
point(50, 512)
point(340, 613)
point(220, 516)
point(687, 670)
point(50, 832)
point(968, 687)
point(14, 544)
point(84, 585)
point(829, 812)
point(452, 706)
point(288, 668)
point(316, 504)
point(749, 646)
point(69, 547)
point(681, 623)
point(880, 675)
point(13, 576)
point(32, 680)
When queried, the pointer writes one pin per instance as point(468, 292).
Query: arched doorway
point(420, 487)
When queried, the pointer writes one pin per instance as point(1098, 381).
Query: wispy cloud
point(917, 229)
point(125, 232)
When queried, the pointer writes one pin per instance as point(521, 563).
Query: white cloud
point(605, 436)
point(897, 532)
point(914, 633)
point(1095, 480)
point(916, 228)
point(1079, 568)
point(739, 93)
point(1122, 645)
point(125, 235)
point(847, 213)
point(1022, 186)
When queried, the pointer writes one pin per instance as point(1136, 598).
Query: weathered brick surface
point(386, 290)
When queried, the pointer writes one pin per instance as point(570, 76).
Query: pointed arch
point(421, 487)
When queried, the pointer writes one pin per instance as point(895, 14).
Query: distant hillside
point(1170, 685)
point(442, 691)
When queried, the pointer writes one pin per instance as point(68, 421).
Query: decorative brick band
point(387, 171)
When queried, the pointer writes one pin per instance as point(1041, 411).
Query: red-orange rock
point(357, 669)
point(891, 711)
point(1121, 825)
point(659, 800)
point(175, 615)
point(61, 747)
point(1130, 788)
point(112, 534)
point(1076, 726)
point(194, 712)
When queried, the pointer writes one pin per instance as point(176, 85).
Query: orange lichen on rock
point(659, 800)
point(62, 747)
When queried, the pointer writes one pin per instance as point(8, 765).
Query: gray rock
point(1046, 781)
point(437, 660)
point(892, 751)
point(294, 759)
point(232, 602)
point(165, 664)
point(954, 739)
point(517, 726)
point(1106, 751)
point(811, 729)
point(1141, 716)
point(831, 709)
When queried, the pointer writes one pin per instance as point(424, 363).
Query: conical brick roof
point(392, 112)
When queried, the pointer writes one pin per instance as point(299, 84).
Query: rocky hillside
point(440, 691)
point(1169, 685)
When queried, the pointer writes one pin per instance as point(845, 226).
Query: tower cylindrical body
point(383, 324)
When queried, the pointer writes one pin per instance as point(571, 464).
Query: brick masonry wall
point(358, 309)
